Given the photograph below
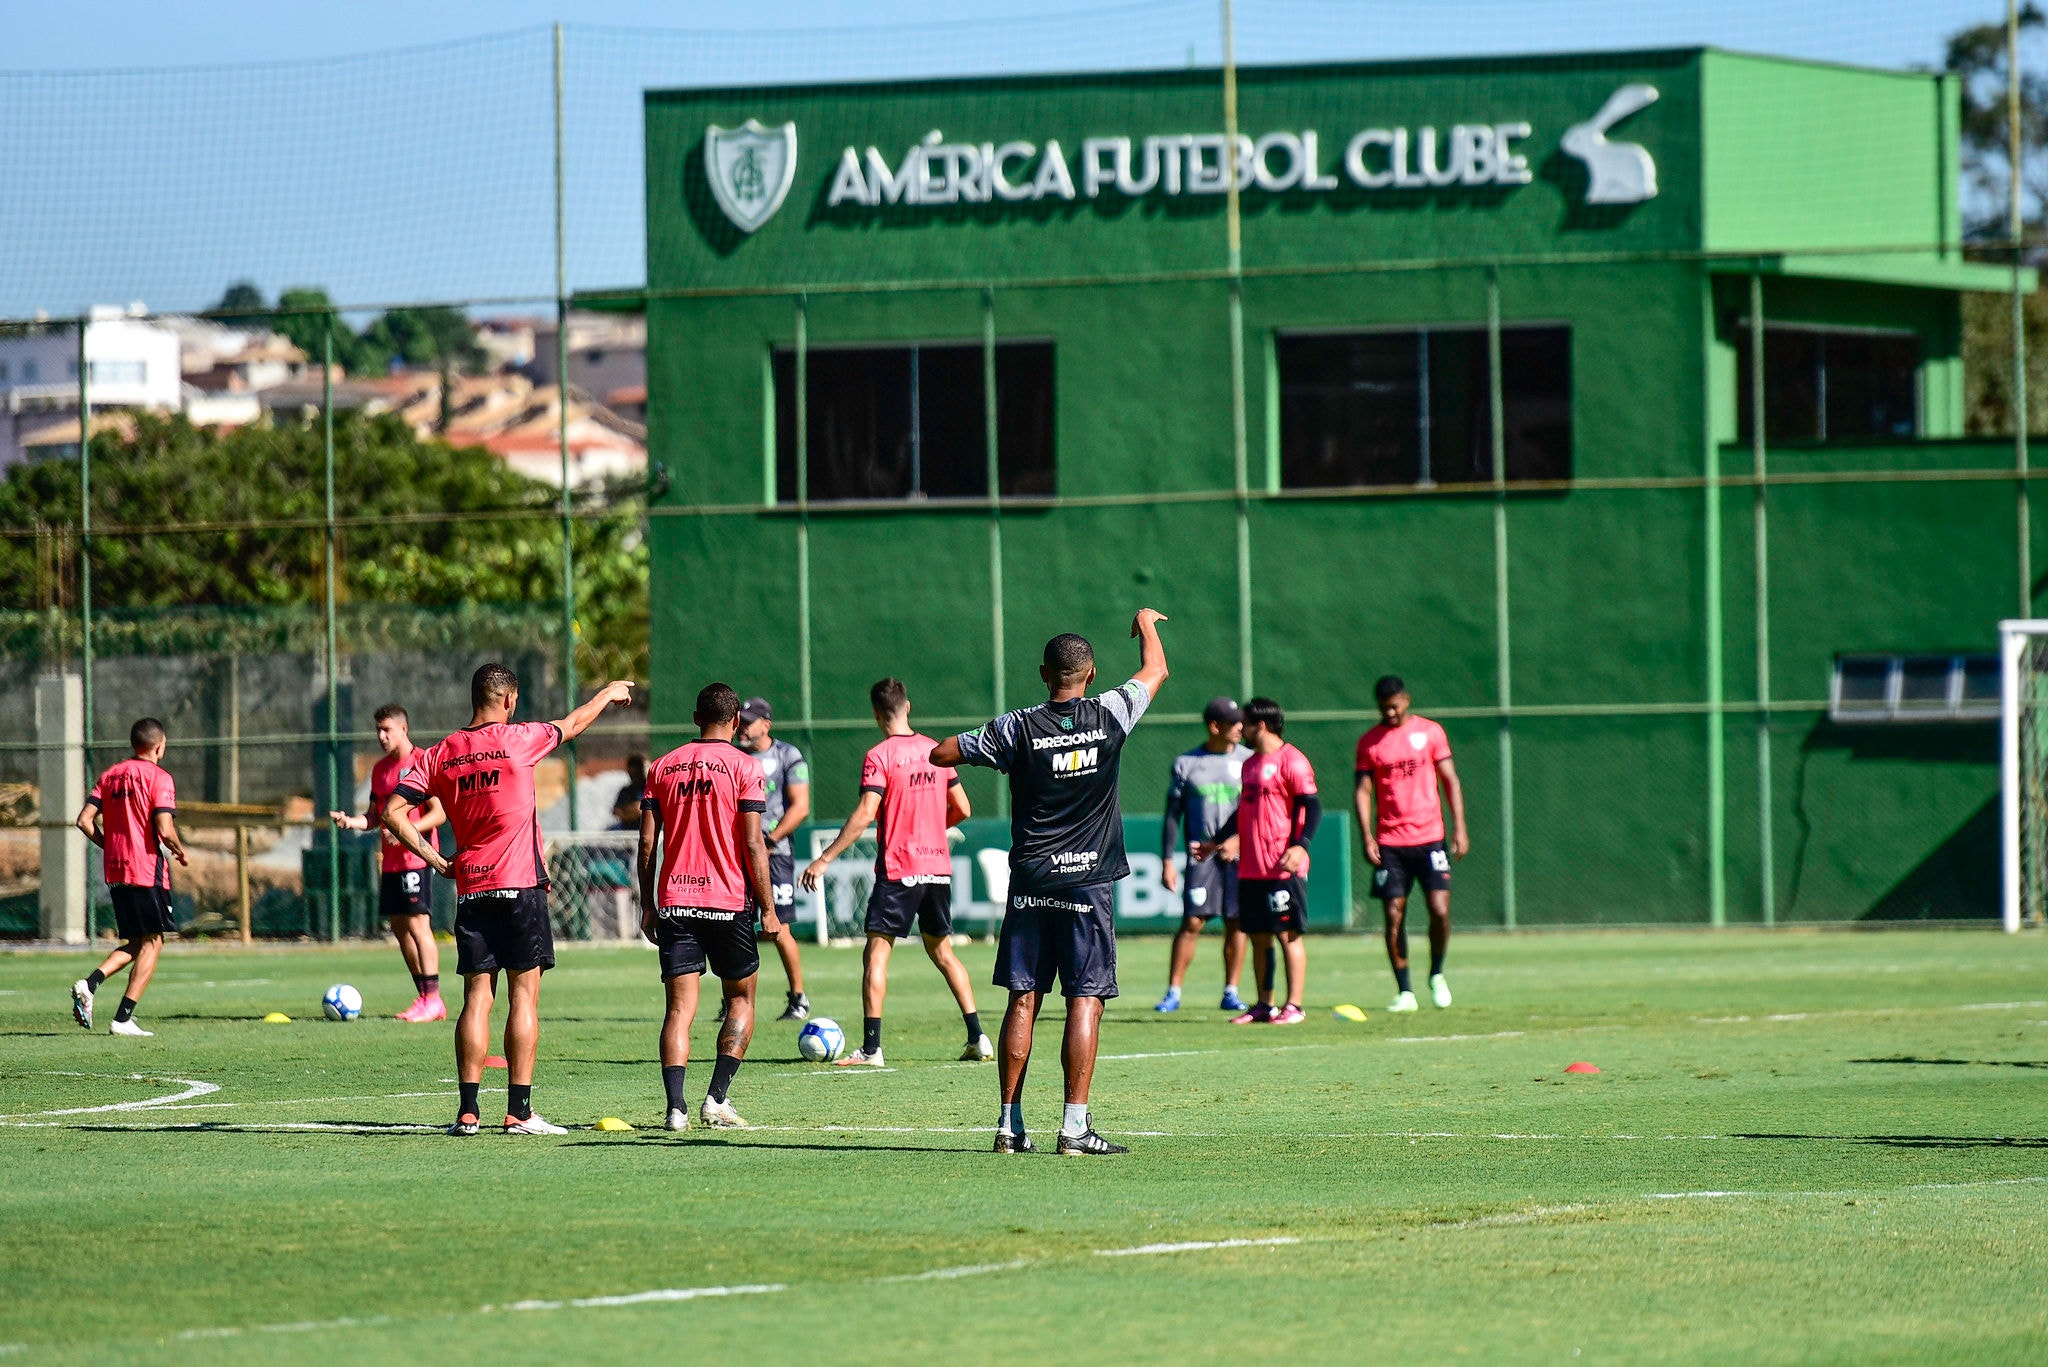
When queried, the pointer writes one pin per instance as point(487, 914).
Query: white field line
point(1845, 1191)
point(1783, 1016)
point(192, 1089)
point(1195, 1246)
point(300, 1327)
point(1519, 1217)
point(843, 1072)
point(684, 1293)
point(950, 1273)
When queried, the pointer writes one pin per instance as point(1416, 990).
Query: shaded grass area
point(1800, 1148)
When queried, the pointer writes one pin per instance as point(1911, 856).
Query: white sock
point(1011, 1121)
point(1076, 1122)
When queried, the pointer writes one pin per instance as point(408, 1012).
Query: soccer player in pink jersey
point(405, 893)
point(483, 776)
point(703, 807)
point(131, 815)
point(1401, 819)
point(1277, 815)
point(917, 803)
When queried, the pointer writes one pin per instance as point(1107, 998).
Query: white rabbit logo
point(1621, 172)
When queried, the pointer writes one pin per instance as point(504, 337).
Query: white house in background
point(131, 363)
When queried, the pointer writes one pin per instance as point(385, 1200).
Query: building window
point(1401, 408)
point(908, 422)
point(114, 372)
point(1823, 385)
point(1889, 688)
point(28, 372)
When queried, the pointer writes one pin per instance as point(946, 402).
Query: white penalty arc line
point(940, 1274)
point(193, 1088)
point(1195, 1246)
point(685, 1293)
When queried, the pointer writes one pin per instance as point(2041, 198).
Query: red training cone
point(498, 1061)
point(1581, 1068)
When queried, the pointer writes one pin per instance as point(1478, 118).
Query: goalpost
point(2023, 769)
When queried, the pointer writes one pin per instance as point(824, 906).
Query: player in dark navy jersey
point(1066, 854)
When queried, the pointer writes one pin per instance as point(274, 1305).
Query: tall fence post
point(1766, 859)
point(85, 568)
point(1503, 672)
point(990, 439)
point(562, 436)
point(2018, 227)
point(1716, 689)
point(803, 516)
point(333, 670)
point(1234, 239)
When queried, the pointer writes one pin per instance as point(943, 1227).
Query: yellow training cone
point(1348, 1012)
point(277, 1018)
point(611, 1124)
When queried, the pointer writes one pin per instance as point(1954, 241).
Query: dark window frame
point(909, 419)
point(1887, 688)
point(1809, 407)
point(1449, 422)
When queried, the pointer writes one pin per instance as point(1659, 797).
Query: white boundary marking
point(684, 1293)
point(949, 1273)
point(192, 1089)
point(1195, 1246)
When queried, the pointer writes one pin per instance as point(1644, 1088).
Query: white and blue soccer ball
point(821, 1040)
point(342, 1003)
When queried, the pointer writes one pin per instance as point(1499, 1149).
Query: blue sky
point(403, 151)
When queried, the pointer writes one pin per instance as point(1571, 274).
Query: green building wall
point(1609, 586)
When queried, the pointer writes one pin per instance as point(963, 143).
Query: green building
point(1471, 405)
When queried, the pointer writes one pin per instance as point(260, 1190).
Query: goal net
point(2023, 743)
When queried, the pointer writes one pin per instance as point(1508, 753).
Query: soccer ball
point(821, 1040)
point(342, 1003)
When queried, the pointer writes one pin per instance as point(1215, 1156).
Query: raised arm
point(398, 821)
point(864, 813)
point(617, 693)
point(1151, 654)
point(946, 754)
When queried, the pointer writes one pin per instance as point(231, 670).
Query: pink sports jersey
point(383, 783)
point(1266, 823)
point(699, 789)
point(484, 778)
point(129, 795)
point(913, 790)
point(1402, 761)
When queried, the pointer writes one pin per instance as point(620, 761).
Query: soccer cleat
point(1231, 1001)
point(980, 1049)
point(1289, 1014)
point(720, 1115)
point(129, 1028)
point(1088, 1144)
point(1403, 1001)
point(857, 1059)
point(678, 1119)
point(81, 1003)
point(1015, 1143)
point(425, 1007)
point(1439, 990)
point(465, 1124)
point(799, 1008)
point(533, 1124)
point(1262, 1014)
point(1169, 1002)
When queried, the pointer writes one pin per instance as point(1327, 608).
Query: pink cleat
point(1289, 1014)
point(426, 1007)
point(1262, 1014)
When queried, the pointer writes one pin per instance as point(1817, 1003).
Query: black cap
point(1388, 686)
point(756, 709)
point(1224, 710)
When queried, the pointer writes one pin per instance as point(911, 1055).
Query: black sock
point(1266, 975)
point(794, 997)
point(721, 1076)
point(672, 1083)
point(1436, 964)
point(127, 1011)
point(1401, 978)
point(871, 1034)
point(430, 982)
point(973, 1019)
point(469, 1104)
point(93, 980)
point(519, 1100)
point(419, 983)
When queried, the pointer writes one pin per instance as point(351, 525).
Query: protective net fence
point(1650, 409)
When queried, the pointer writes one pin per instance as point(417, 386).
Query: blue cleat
point(1231, 1001)
point(1169, 1002)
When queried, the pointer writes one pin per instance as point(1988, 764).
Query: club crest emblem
point(750, 169)
point(1066, 723)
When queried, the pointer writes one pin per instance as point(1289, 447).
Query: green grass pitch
point(1801, 1147)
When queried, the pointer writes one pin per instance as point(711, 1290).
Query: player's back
point(911, 839)
point(1265, 813)
point(698, 791)
point(484, 778)
point(129, 796)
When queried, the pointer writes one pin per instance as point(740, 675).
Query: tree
point(1976, 55)
point(437, 337)
point(241, 302)
point(493, 538)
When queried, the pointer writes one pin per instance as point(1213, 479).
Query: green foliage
point(495, 536)
point(1977, 55)
point(433, 337)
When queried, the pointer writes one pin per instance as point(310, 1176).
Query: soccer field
point(1801, 1147)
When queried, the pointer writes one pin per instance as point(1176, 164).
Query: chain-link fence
point(1640, 407)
